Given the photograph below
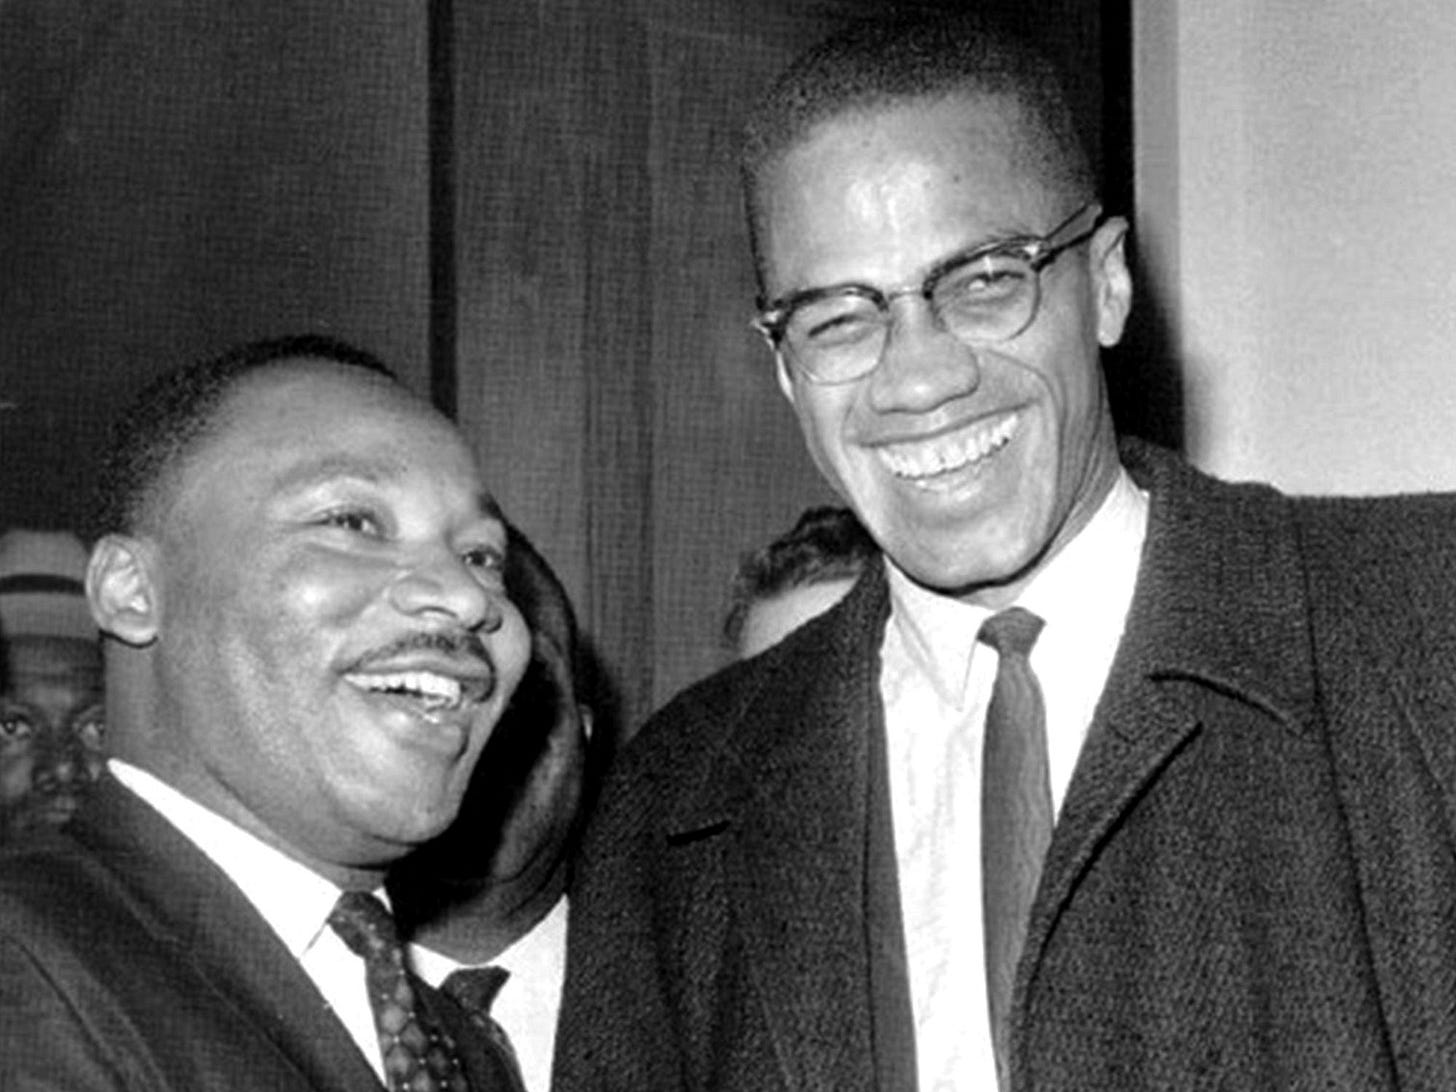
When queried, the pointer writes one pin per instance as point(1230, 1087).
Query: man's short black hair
point(167, 419)
point(884, 61)
point(826, 543)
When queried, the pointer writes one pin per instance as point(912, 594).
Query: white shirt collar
point(1084, 590)
point(295, 900)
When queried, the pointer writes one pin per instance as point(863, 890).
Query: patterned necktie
point(474, 988)
point(1016, 811)
point(418, 1055)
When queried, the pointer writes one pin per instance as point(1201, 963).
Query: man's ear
point(1111, 279)
point(121, 588)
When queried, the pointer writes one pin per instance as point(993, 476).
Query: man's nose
point(441, 584)
point(59, 763)
point(922, 365)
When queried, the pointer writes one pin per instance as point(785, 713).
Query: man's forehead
point(305, 424)
point(901, 170)
point(381, 468)
point(984, 135)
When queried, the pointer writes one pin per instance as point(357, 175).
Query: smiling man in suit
point(1113, 776)
point(308, 643)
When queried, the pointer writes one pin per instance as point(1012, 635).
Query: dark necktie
point(474, 988)
point(419, 1056)
point(1016, 811)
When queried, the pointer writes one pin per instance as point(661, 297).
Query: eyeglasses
point(981, 296)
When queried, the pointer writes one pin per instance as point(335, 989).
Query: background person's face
point(965, 465)
point(334, 642)
point(51, 730)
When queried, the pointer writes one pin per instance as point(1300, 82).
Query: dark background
point(529, 210)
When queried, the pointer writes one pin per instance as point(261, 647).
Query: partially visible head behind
point(504, 863)
point(301, 581)
point(881, 62)
point(536, 589)
point(799, 574)
point(51, 723)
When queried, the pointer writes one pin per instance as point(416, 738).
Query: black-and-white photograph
point(727, 545)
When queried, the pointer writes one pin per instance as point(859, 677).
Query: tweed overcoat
point(129, 961)
point(1251, 884)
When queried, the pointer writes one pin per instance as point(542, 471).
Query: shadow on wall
point(1144, 375)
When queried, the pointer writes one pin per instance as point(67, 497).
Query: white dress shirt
point(935, 682)
point(529, 1002)
point(294, 900)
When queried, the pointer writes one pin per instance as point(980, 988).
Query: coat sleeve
point(615, 1029)
point(50, 1041)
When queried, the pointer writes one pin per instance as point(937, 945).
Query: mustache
point(458, 645)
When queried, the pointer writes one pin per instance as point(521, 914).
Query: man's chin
point(412, 823)
point(972, 568)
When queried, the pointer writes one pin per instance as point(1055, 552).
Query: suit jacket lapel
point(192, 905)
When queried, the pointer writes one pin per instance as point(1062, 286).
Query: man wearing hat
point(51, 724)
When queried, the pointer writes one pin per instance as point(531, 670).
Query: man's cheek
point(15, 776)
point(324, 591)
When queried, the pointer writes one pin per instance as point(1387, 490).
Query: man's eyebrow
point(936, 269)
point(371, 469)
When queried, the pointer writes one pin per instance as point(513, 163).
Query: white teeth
point(434, 691)
point(927, 458)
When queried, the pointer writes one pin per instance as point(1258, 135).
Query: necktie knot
point(365, 925)
point(476, 987)
point(1013, 632)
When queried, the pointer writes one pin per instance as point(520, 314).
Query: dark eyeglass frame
point(1038, 251)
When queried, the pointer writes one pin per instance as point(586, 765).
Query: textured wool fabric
point(1252, 879)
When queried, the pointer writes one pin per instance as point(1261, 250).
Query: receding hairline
point(984, 110)
point(994, 122)
point(877, 64)
point(258, 382)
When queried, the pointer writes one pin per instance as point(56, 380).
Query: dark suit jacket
point(1251, 885)
point(129, 961)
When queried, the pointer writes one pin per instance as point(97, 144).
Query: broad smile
point(433, 691)
point(939, 462)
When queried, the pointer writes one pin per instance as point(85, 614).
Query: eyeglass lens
point(988, 298)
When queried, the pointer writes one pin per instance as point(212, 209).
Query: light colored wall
point(1296, 168)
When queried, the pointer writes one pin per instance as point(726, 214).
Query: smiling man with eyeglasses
point(1113, 776)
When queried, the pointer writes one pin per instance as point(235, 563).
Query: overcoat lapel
point(1192, 629)
point(191, 905)
point(794, 788)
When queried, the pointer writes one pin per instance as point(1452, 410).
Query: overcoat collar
point(1217, 606)
point(1219, 609)
point(789, 788)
